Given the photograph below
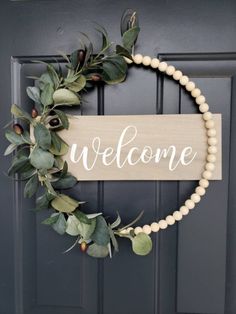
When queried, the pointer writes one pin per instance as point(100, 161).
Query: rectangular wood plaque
point(143, 147)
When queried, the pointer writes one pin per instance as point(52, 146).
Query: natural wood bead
point(147, 229)
point(177, 215)
point(138, 230)
point(207, 174)
point(212, 141)
point(204, 183)
point(211, 158)
point(155, 63)
point(189, 204)
point(207, 116)
point(190, 86)
point(177, 75)
point(211, 132)
point(183, 80)
point(184, 210)
point(204, 107)
point(147, 60)
point(200, 99)
point(196, 92)
point(162, 66)
point(195, 198)
point(210, 124)
point(200, 190)
point(170, 220)
point(210, 166)
point(212, 149)
point(138, 58)
point(127, 60)
point(129, 229)
point(155, 227)
point(170, 70)
point(162, 224)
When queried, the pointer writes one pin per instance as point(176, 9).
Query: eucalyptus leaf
point(129, 37)
point(45, 79)
point(101, 234)
point(123, 52)
point(20, 113)
point(98, 251)
point(31, 186)
point(64, 203)
point(60, 225)
point(34, 93)
point(47, 95)
point(65, 97)
point(141, 244)
point(51, 220)
point(53, 74)
point(63, 117)
point(14, 138)
point(72, 226)
point(43, 201)
point(77, 85)
point(82, 217)
point(41, 159)
point(56, 141)
point(117, 222)
point(114, 70)
point(18, 165)
point(113, 239)
point(10, 149)
point(42, 136)
point(86, 230)
point(66, 182)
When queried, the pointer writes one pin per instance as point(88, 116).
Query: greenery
point(38, 158)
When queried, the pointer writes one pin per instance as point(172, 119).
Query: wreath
point(38, 149)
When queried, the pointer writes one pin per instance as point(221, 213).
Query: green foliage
point(63, 118)
point(141, 244)
point(20, 113)
point(47, 95)
point(98, 251)
point(129, 37)
point(101, 234)
point(65, 182)
point(41, 159)
point(31, 186)
point(64, 203)
point(34, 93)
point(42, 136)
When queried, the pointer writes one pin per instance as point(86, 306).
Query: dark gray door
point(192, 268)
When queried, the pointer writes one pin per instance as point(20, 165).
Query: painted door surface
point(192, 268)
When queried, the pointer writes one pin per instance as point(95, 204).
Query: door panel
point(192, 266)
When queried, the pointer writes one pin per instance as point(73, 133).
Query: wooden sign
point(150, 147)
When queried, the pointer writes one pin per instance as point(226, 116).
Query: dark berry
point(96, 77)
point(18, 129)
point(81, 56)
point(54, 122)
point(34, 113)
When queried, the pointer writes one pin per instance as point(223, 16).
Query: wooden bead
point(204, 107)
point(170, 70)
point(207, 116)
point(170, 220)
point(189, 204)
point(183, 80)
point(196, 92)
point(212, 149)
point(177, 215)
point(147, 229)
point(207, 174)
point(204, 183)
point(138, 58)
point(127, 60)
point(138, 230)
point(177, 75)
point(147, 60)
point(162, 66)
point(211, 158)
point(162, 224)
point(155, 63)
point(190, 86)
point(129, 229)
point(195, 198)
point(200, 100)
point(184, 210)
point(211, 132)
point(210, 124)
point(212, 141)
point(155, 227)
point(210, 166)
point(200, 190)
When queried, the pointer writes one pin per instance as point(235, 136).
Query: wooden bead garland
point(209, 167)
